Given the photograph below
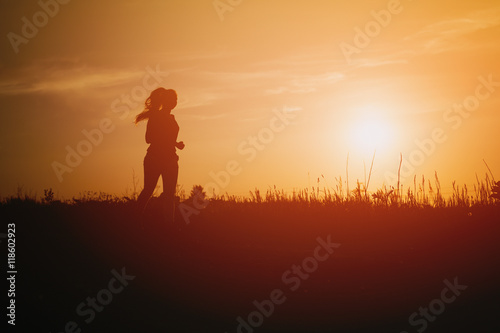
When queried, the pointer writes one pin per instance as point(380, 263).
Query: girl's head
point(160, 99)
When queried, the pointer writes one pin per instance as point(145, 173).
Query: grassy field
point(316, 260)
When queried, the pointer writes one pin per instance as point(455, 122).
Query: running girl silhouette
point(161, 158)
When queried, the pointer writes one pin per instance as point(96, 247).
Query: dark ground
point(201, 277)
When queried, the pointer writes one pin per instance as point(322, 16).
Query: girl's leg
point(151, 175)
point(169, 177)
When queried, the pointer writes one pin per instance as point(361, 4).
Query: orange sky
point(280, 90)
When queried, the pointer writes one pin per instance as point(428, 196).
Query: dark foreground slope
point(89, 267)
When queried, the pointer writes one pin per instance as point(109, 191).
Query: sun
point(371, 133)
point(370, 130)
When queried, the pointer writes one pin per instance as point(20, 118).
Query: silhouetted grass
point(425, 193)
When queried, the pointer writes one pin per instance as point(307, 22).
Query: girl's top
point(161, 134)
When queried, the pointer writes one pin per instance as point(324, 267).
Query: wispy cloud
point(61, 76)
point(202, 97)
point(466, 33)
point(241, 76)
point(202, 117)
point(301, 84)
point(452, 34)
point(379, 63)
